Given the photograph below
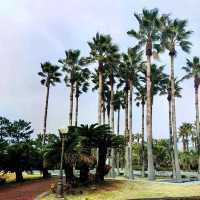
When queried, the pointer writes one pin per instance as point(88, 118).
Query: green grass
point(10, 177)
point(123, 189)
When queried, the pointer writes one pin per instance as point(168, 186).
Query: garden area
point(110, 146)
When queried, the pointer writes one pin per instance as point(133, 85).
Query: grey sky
point(36, 31)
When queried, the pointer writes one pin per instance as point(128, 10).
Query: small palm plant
point(49, 77)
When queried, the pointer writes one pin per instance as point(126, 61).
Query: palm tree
point(141, 99)
point(166, 90)
point(70, 64)
point(99, 47)
point(192, 70)
point(81, 86)
point(111, 66)
point(148, 35)
point(118, 104)
point(128, 72)
point(50, 76)
point(185, 131)
point(174, 34)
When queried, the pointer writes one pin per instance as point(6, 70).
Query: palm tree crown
point(49, 74)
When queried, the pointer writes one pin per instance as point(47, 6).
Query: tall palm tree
point(166, 90)
point(81, 86)
point(71, 64)
point(185, 131)
point(118, 104)
point(49, 77)
point(111, 66)
point(174, 34)
point(140, 100)
point(148, 35)
point(192, 70)
point(128, 72)
point(99, 47)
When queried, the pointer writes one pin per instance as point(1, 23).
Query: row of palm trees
point(120, 75)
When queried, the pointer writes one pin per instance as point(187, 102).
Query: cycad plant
point(49, 77)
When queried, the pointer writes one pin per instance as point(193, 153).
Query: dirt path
point(25, 191)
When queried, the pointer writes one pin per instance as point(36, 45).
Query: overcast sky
point(35, 31)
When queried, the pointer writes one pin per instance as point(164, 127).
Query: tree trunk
point(69, 175)
point(176, 159)
point(171, 139)
point(143, 150)
point(84, 173)
point(112, 124)
point(151, 173)
point(100, 173)
point(77, 98)
point(197, 122)
point(19, 176)
point(45, 115)
point(118, 124)
point(71, 98)
point(130, 166)
point(100, 91)
point(126, 132)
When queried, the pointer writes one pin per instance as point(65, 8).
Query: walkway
point(26, 190)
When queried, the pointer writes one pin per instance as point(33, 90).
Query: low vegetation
point(122, 189)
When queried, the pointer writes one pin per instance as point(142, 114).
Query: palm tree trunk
point(76, 117)
point(76, 108)
point(197, 122)
point(100, 95)
point(100, 91)
point(130, 166)
point(177, 166)
point(151, 173)
point(45, 115)
point(171, 139)
point(126, 131)
point(112, 125)
point(71, 99)
point(118, 124)
point(143, 150)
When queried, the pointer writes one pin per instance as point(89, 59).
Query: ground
point(27, 190)
point(139, 188)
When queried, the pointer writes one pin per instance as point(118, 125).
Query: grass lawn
point(10, 177)
point(140, 188)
